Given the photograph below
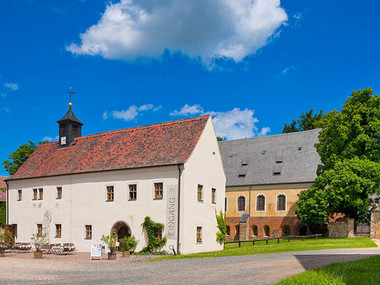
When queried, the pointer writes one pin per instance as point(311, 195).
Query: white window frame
point(196, 234)
point(56, 192)
point(163, 190)
point(92, 231)
point(237, 203)
point(106, 196)
point(203, 193)
point(265, 204)
point(286, 202)
point(137, 187)
point(55, 229)
point(216, 196)
point(18, 196)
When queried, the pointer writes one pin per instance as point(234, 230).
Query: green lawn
point(365, 271)
point(273, 247)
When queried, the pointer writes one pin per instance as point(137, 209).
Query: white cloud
point(11, 86)
point(206, 29)
point(6, 110)
point(188, 110)
point(50, 139)
point(263, 132)
point(3, 95)
point(287, 69)
point(234, 124)
point(131, 113)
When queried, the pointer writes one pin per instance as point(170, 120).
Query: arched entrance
point(122, 230)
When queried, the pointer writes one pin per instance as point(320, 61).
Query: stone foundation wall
point(341, 230)
point(375, 224)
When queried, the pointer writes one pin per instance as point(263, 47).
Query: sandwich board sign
point(96, 250)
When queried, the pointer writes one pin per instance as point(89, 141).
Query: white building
point(109, 182)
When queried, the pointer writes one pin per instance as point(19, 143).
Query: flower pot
point(38, 255)
point(126, 253)
point(111, 255)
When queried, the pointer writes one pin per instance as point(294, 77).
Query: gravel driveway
point(253, 269)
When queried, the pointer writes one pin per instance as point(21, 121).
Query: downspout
point(249, 211)
point(179, 205)
point(7, 201)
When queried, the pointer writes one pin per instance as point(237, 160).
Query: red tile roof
point(3, 195)
point(155, 145)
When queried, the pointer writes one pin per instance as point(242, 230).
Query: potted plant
point(127, 243)
point(38, 240)
point(6, 240)
point(110, 241)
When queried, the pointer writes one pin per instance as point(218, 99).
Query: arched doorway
point(122, 230)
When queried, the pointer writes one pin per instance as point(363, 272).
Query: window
point(260, 204)
point(34, 194)
point(110, 194)
point(199, 234)
point(75, 131)
point(286, 231)
point(200, 193)
point(88, 231)
point(276, 173)
point(19, 197)
point(281, 202)
point(213, 195)
point(14, 226)
point(225, 204)
point(158, 234)
point(241, 175)
point(58, 230)
point(132, 192)
point(63, 130)
point(228, 230)
point(39, 229)
point(254, 230)
point(59, 193)
point(158, 191)
point(267, 231)
point(241, 204)
point(40, 194)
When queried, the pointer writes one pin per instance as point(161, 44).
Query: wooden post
point(267, 241)
point(288, 239)
point(239, 243)
point(253, 242)
point(303, 238)
point(278, 240)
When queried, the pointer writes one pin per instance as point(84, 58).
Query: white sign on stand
point(96, 250)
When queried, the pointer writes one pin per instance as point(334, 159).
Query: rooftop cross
point(71, 93)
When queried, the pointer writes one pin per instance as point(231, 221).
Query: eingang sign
point(171, 212)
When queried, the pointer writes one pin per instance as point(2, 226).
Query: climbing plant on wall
point(221, 225)
point(2, 211)
point(154, 233)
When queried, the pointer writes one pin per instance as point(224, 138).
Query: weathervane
point(71, 93)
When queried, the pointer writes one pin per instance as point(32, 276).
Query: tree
point(220, 139)
point(349, 148)
point(307, 121)
point(18, 157)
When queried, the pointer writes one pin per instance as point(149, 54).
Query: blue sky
point(253, 65)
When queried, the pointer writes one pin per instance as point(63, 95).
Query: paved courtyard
point(254, 269)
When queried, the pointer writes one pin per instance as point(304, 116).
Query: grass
point(364, 271)
point(261, 247)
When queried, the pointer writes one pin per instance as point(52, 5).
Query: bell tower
point(69, 127)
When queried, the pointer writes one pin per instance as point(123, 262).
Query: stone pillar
point(351, 228)
point(244, 227)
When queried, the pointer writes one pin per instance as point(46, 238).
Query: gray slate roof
point(285, 158)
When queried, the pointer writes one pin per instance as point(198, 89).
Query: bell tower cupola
point(69, 128)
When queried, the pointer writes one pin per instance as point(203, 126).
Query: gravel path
point(253, 269)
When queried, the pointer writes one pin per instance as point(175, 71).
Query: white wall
point(203, 167)
point(84, 203)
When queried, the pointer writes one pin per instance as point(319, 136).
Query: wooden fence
point(275, 238)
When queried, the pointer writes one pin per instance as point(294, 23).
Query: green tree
point(18, 157)
point(307, 121)
point(220, 139)
point(349, 147)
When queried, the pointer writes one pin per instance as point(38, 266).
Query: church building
point(82, 187)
